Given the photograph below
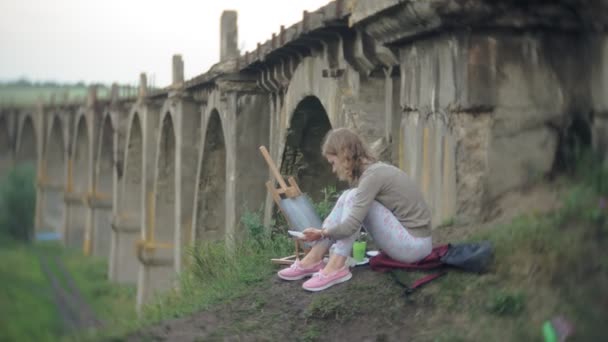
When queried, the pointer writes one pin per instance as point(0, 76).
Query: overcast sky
point(114, 40)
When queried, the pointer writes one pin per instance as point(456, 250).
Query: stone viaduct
point(471, 98)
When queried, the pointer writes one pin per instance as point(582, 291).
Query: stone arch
point(102, 196)
point(211, 195)
point(353, 100)
point(27, 151)
point(302, 85)
point(164, 188)
point(53, 178)
point(5, 147)
point(302, 156)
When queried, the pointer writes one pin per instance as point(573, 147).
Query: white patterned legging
point(386, 230)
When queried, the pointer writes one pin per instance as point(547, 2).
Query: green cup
point(359, 248)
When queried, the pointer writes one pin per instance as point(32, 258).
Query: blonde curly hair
point(351, 151)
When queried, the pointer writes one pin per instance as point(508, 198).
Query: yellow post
point(86, 248)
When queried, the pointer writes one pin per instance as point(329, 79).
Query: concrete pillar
point(178, 70)
point(114, 93)
point(143, 86)
point(229, 36)
point(92, 96)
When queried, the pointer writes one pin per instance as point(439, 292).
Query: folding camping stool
point(294, 206)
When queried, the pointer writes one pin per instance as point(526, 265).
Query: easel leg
point(297, 249)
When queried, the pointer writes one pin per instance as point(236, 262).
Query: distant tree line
point(24, 82)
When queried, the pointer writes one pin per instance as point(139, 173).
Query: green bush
point(18, 203)
point(254, 227)
point(324, 207)
point(218, 271)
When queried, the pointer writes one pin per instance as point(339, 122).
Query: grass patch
point(217, 273)
point(545, 265)
point(330, 307)
point(505, 303)
point(114, 304)
point(27, 310)
point(27, 306)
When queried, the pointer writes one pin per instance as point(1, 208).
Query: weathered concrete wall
point(500, 99)
point(252, 131)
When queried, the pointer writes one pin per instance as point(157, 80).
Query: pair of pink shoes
point(318, 281)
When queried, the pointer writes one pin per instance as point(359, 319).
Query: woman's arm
point(313, 234)
point(364, 196)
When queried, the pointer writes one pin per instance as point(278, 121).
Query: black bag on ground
point(472, 257)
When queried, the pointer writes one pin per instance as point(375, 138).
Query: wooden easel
point(291, 191)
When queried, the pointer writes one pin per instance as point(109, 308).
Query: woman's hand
point(312, 234)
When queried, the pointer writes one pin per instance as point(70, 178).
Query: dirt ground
point(280, 310)
point(369, 307)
